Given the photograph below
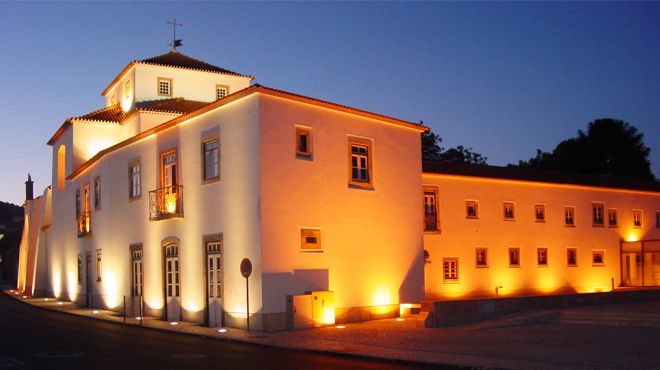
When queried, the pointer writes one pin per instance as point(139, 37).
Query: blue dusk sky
point(502, 78)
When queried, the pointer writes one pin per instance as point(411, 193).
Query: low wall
point(446, 313)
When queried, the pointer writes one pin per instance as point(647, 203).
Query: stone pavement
point(598, 340)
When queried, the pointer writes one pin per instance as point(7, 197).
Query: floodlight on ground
point(222, 330)
point(95, 312)
point(340, 326)
point(400, 319)
point(60, 303)
point(174, 323)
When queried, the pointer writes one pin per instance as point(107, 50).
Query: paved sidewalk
point(500, 343)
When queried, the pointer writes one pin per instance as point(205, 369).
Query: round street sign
point(246, 267)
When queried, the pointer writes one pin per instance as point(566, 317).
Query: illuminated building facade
point(189, 169)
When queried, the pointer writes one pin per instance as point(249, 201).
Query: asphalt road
point(34, 338)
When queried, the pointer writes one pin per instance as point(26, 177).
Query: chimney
point(28, 188)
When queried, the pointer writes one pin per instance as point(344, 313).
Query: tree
point(432, 150)
point(609, 147)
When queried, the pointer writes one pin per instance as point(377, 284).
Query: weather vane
point(175, 42)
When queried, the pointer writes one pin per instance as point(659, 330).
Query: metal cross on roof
point(175, 43)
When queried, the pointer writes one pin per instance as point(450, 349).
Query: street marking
point(59, 354)
point(9, 362)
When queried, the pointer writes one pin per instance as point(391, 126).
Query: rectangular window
point(611, 217)
point(99, 265)
point(137, 285)
point(657, 219)
point(539, 212)
point(127, 89)
point(168, 169)
point(78, 204)
point(509, 211)
point(310, 240)
point(571, 257)
point(97, 192)
point(471, 209)
point(597, 213)
point(481, 257)
point(80, 266)
point(637, 218)
point(135, 189)
point(542, 257)
point(430, 209)
point(221, 91)
point(210, 149)
point(164, 86)
point(214, 267)
point(514, 257)
point(598, 258)
point(303, 142)
point(450, 269)
point(360, 162)
point(569, 216)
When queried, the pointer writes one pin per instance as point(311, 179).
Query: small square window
point(637, 218)
point(611, 217)
point(509, 210)
point(164, 86)
point(450, 269)
point(514, 257)
point(310, 240)
point(598, 258)
point(481, 257)
point(211, 156)
point(471, 209)
point(571, 257)
point(221, 91)
point(303, 142)
point(542, 257)
point(597, 213)
point(539, 212)
point(569, 216)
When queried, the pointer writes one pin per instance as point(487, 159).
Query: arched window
point(61, 168)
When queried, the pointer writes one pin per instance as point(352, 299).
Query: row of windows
point(431, 221)
point(165, 88)
point(450, 264)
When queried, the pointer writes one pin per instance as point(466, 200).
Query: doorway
point(172, 282)
point(214, 282)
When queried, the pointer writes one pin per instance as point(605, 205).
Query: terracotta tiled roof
point(528, 174)
point(176, 59)
point(108, 114)
point(176, 105)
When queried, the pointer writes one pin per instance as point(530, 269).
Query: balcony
point(166, 203)
point(84, 224)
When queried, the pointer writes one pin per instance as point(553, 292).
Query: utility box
point(314, 309)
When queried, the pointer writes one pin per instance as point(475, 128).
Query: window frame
point(516, 251)
point(369, 145)
point(217, 89)
point(434, 191)
point(594, 220)
point(484, 252)
point(137, 278)
point(657, 219)
point(505, 215)
point(99, 266)
point(475, 203)
point(97, 193)
point(594, 254)
point(539, 209)
point(309, 153)
point(448, 273)
point(572, 211)
point(570, 250)
point(638, 218)
point(170, 84)
point(80, 268)
point(307, 232)
point(542, 257)
point(131, 183)
point(205, 141)
point(610, 212)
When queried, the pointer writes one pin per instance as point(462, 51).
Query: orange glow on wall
point(61, 168)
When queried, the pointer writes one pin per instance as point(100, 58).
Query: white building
point(189, 169)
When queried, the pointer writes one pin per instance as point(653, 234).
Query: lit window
point(611, 217)
point(637, 218)
point(99, 265)
point(569, 216)
point(509, 211)
point(514, 257)
point(310, 240)
point(430, 209)
point(542, 256)
point(450, 269)
point(597, 212)
point(134, 180)
point(571, 257)
point(97, 192)
point(164, 86)
point(221, 91)
point(360, 165)
point(481, 257)
point(211, 159)
point(539, 212)
point(598, 258)
point(303, 142)
point(471, 209)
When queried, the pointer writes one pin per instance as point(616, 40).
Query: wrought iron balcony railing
point(84, 224)
point(166, 203)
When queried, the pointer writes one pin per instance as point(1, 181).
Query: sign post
point(246, 271)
